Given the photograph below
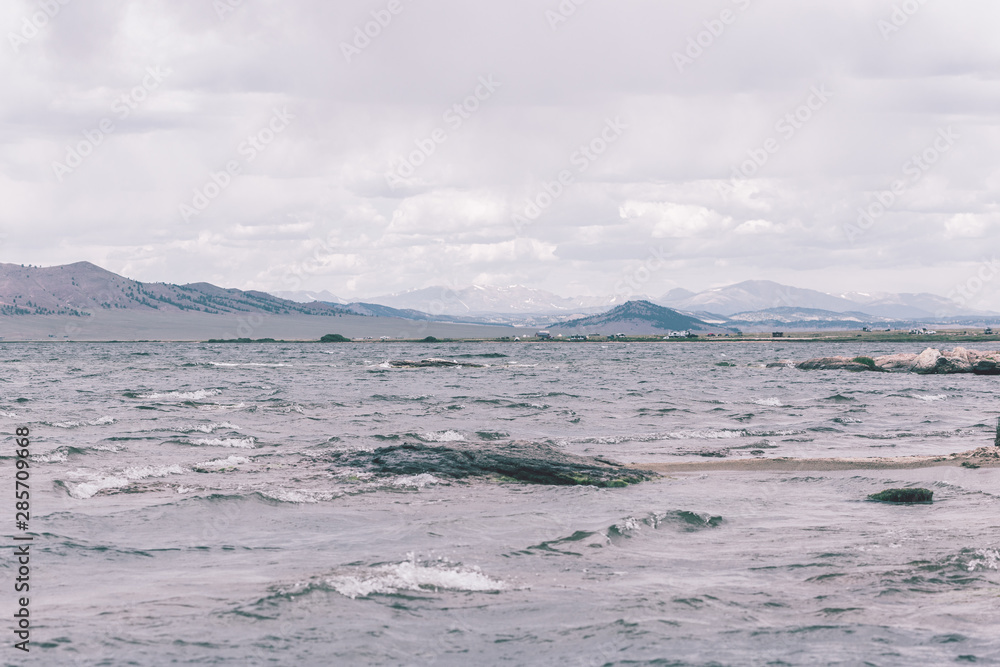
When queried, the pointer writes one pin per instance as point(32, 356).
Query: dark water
point(187, 509)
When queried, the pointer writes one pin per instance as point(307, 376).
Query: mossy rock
point(867, 361)
point(903, 496)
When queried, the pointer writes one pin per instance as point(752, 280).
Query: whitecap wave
point(413, 576)
point(100, 421)
point(209, 428)
point(218, 464)
point(120, 480)
point(298, 496)
point(198, 395)
point(248, 442)
point(417, 481)
point(56, 456)
point(772, 402)
point(442, 436)
point(988, 559)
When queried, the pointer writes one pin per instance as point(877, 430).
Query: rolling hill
point(634, 317)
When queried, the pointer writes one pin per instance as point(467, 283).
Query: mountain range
point(745, 297)
point(84, 289)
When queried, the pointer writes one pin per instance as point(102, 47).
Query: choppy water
point(187, 511)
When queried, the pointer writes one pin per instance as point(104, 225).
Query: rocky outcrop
point(832, 363)
point(431, 363)
point(930, 361)
point(530, 462)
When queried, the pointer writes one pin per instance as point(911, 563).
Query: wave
point(100, 421)
point(209, 428)
point(297, 496)
point(244, 443)
point(417, 481)
point(441, 436)
point(772, 402)
point(224, 364)
point(84, 490)
point(219, 465)
point(393, 398)
point(197, 395)
point(411, 575)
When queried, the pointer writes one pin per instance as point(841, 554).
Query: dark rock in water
point(525, 461)
point(903, 496)
point(986, 367)
point(431, 363)
point(832, 363)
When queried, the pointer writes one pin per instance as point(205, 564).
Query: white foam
point(100, 421)
point(417, 481)
point(224, 463)
point(298, 496)
point(120, 480)
point(208, 428)
point(412, 576)
point(442, 436)
point(989, 559)
point(52, 457)
point(772, 401)
point(198, 395)
point(107, 448)
point(8, 414)
point(931, 397)
point(216, 407)
point(242, 443)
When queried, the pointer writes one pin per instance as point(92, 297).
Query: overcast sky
point(698, 143)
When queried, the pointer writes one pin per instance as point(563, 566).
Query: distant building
point(988, 331)
point(544, 335)
point(777, 334)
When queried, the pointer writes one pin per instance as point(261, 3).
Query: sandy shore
point(984, 457)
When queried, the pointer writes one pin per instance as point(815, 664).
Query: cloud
point(676, 176)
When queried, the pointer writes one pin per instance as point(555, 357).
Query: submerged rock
point(903, 496)
point(832, 363)
point(530, 462)
point(431, 363)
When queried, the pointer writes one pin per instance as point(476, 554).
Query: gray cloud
point(313, 202)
